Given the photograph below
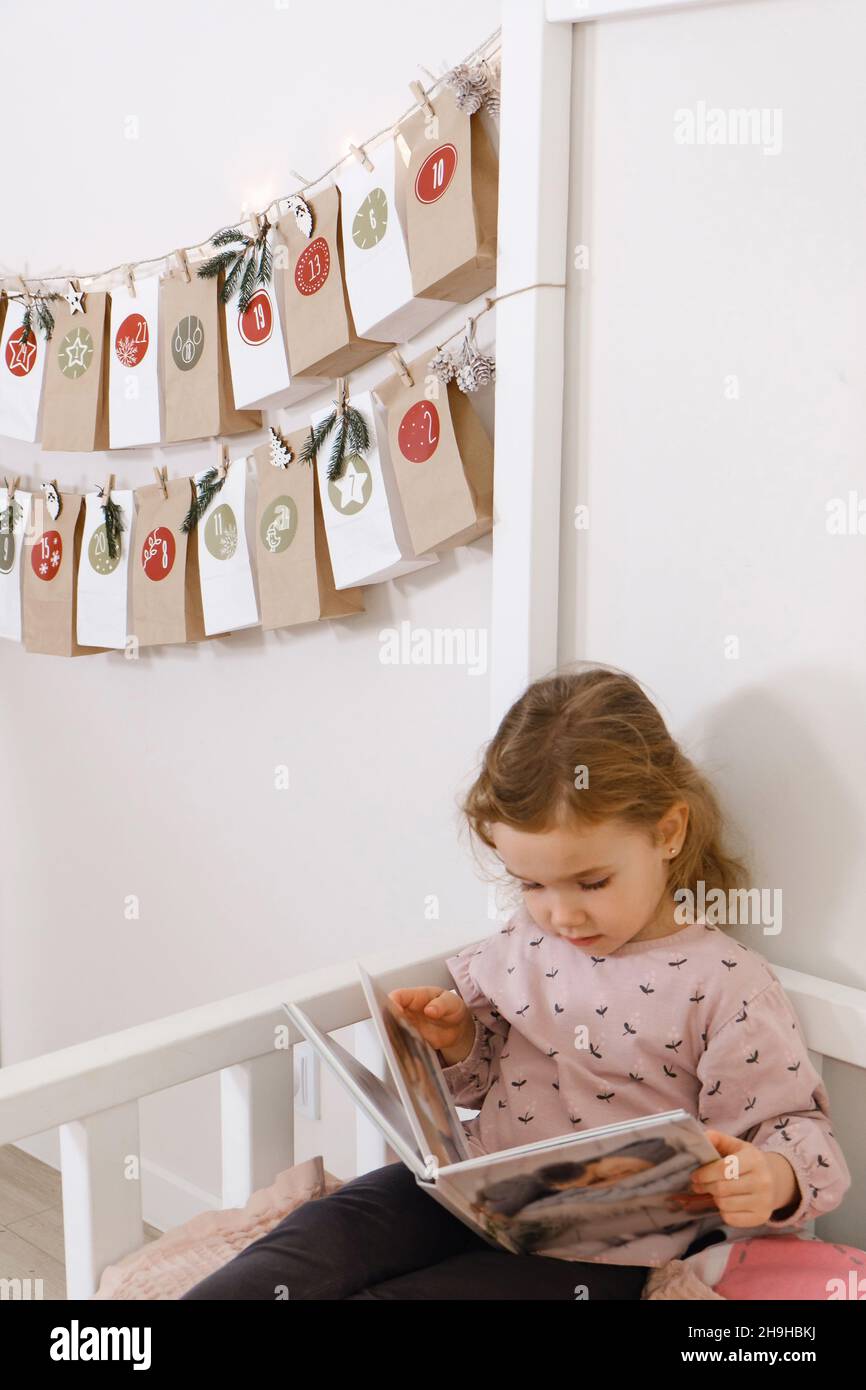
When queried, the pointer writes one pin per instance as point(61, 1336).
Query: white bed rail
point(91, 1091)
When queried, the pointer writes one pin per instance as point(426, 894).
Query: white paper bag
point(367, 534)
point(257, 350)
point(378, 274)
point(22, 368)
point(229, 593)
point(133, 381)
point(103, 588)
point(11, 549)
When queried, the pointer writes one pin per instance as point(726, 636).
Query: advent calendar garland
point(354, 281)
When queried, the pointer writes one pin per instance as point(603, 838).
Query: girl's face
point(599, 886)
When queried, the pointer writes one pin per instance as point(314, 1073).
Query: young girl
point(596, 1002)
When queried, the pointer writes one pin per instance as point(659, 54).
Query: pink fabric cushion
point(170, 1265)
point(790, 1266)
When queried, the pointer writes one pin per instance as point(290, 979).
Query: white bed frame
point(91, 1091)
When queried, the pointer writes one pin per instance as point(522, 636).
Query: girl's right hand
point(441, 1018)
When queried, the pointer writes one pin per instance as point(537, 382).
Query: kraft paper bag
point(228, 583)
point(103, 579)
point(442, 458)
point(378, 273)
point(320, 331)
point(296, 581)
point(50, 562)
point(368, 540)
point(133, 376)
point(197, 395)
point(11, 573)
point(75, 409)
point(22, 373)
point(449, 176)
point(165, 593)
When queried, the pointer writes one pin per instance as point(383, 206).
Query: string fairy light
point(480, 53)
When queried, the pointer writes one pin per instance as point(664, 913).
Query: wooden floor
point(31, 1222)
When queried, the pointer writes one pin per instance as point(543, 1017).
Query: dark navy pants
point(380, 1236)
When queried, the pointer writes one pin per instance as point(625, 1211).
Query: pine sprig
point(352, 437)
point(206, 490)
point(44, 316)
point(248, 264)
point(113, 526)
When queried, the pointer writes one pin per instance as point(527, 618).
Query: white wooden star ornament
point(75, 298)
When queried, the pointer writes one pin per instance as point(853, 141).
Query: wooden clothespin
point(405, 374)
point(225, 462)
point(184, 263)
point(342, 394)
point(161, 476)
point(359, 154)
point(130, 280)
point(105, 489)
point(422, 98)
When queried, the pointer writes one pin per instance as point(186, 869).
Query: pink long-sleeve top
point(695, 1020)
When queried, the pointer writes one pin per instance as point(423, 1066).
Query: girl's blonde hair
point(600, 719)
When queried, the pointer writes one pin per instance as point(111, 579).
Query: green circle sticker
point(97, 552)
point(7, 552)
point(221, 532)
point(351, 492)
point(187, 342)
point(370, 222)
point(75, 353)
point(279, 525)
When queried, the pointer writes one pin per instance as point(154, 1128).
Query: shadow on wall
point(780, 762)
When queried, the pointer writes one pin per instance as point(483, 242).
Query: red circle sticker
point(418, 435)
point(313, 266)
point(21, 357)
point(256, 323)
point(157, 553)
point(131, 340)
point(46, 555)
point(435, 174)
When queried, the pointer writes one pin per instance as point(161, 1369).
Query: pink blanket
point(783, 1266)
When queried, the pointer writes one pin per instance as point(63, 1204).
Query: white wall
point(707, 513)
point(156, 777)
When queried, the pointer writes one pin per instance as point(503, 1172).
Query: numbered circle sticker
point(435, 174)
point(351, 492)
point(97, 552)
point(47, 554)
point(313, 266)
point(187, 342)
point(370, 222)
point(131, 340)
point(256, 323)
point(221, 532)
point(21, 357)
point(7, 552)
point(418, 435)
point(279, 525)
point(158, 552)
point(75, 353)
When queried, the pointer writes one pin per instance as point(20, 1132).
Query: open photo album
point(567, 1196)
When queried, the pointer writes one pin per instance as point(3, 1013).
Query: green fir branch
point(206, 490)
point(338, 448)
point(248, 283)
point(212, 268)
point(317, 437)
point(113, 526)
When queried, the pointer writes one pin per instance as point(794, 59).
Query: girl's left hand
point(765, 1182)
